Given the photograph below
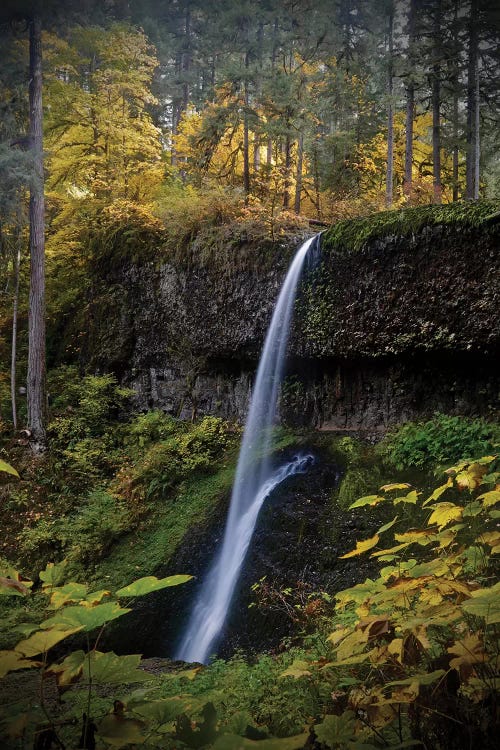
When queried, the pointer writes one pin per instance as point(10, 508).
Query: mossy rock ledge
point(398, 319)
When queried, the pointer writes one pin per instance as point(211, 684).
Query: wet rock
point(401, 329)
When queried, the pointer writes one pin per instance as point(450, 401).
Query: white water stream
point(254, 481)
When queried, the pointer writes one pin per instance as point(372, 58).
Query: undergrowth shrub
point(173, 451)
point(439, 440)
point(84, 535)
point(85, 435)
point(148, 428)
point(89, 533)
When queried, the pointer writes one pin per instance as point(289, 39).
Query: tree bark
point(36, 386)
point(472, 135)
point(410, 104)
point(269, 154)
point(390, 115)
point(436, 105)
point(246, 136)
point(258, 97)
point(477, 138)
point(287, 168)
point(13, 357)
point(455, 116)
point(298, 180)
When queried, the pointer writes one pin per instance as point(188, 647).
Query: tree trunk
point(186, 59)
point(472, 139)
point(455, 154)
point(246, 137)
point(436, 105)
point(269, 155)
point(287, 168)
point(36, 387)
point(410, 104)
point(298, 181)
point(317, 188)
point(390, 116)
point(455, 115)
point(258, 98)
point(477, 139)
point(13, 358)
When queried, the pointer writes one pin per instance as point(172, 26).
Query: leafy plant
point(72, 609)
point(440, 440)
point(414, 654)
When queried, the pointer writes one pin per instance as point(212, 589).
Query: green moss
point(357, 482)
point(145, 550)
point(351, 234)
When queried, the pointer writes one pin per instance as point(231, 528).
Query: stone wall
point(404, 327)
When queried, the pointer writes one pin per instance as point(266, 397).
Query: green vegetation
point(109, 478)
point(405, 659)
point(439, 440)
point(351, 235)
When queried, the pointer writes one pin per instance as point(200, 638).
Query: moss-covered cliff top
point(351, 235)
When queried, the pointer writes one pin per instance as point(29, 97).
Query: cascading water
point(255, 479)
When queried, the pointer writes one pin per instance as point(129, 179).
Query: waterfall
point(255, 479)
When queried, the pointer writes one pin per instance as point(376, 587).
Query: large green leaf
point(118, 731)
point(151, 583)
point(43, 640)
point(387, 526)
point(162, 711)
point(71, 592)
point(336, 730)
point(233, 742)
point(86, 618)
point(110, 669)
point(53, 574)
point(484, 603)
point(70, 668)
point(426, 678)
point(366, 500)
point(7, 468)
point(411, 498)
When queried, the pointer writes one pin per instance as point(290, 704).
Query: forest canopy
point(173, 116)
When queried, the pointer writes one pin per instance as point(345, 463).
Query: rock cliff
point(405, 325)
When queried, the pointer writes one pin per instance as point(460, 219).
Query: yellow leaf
point(469, 651)
point(389, 487)
point(337, 635)
point(366, 500)
point(420, 536)
point(491, 538)
point(70, 668)
point(396, 649)
point(470, 478)
point(353, 644)
point(444, 513)
point(405, 693)
point(361, 547)
point(411, 498)
point(390, 551)
point(298, 668)
point(42, 641)
point(438, 492)
point(10, 661)
point(490, 498)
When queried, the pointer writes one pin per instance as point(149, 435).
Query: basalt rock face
point(402, 328)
